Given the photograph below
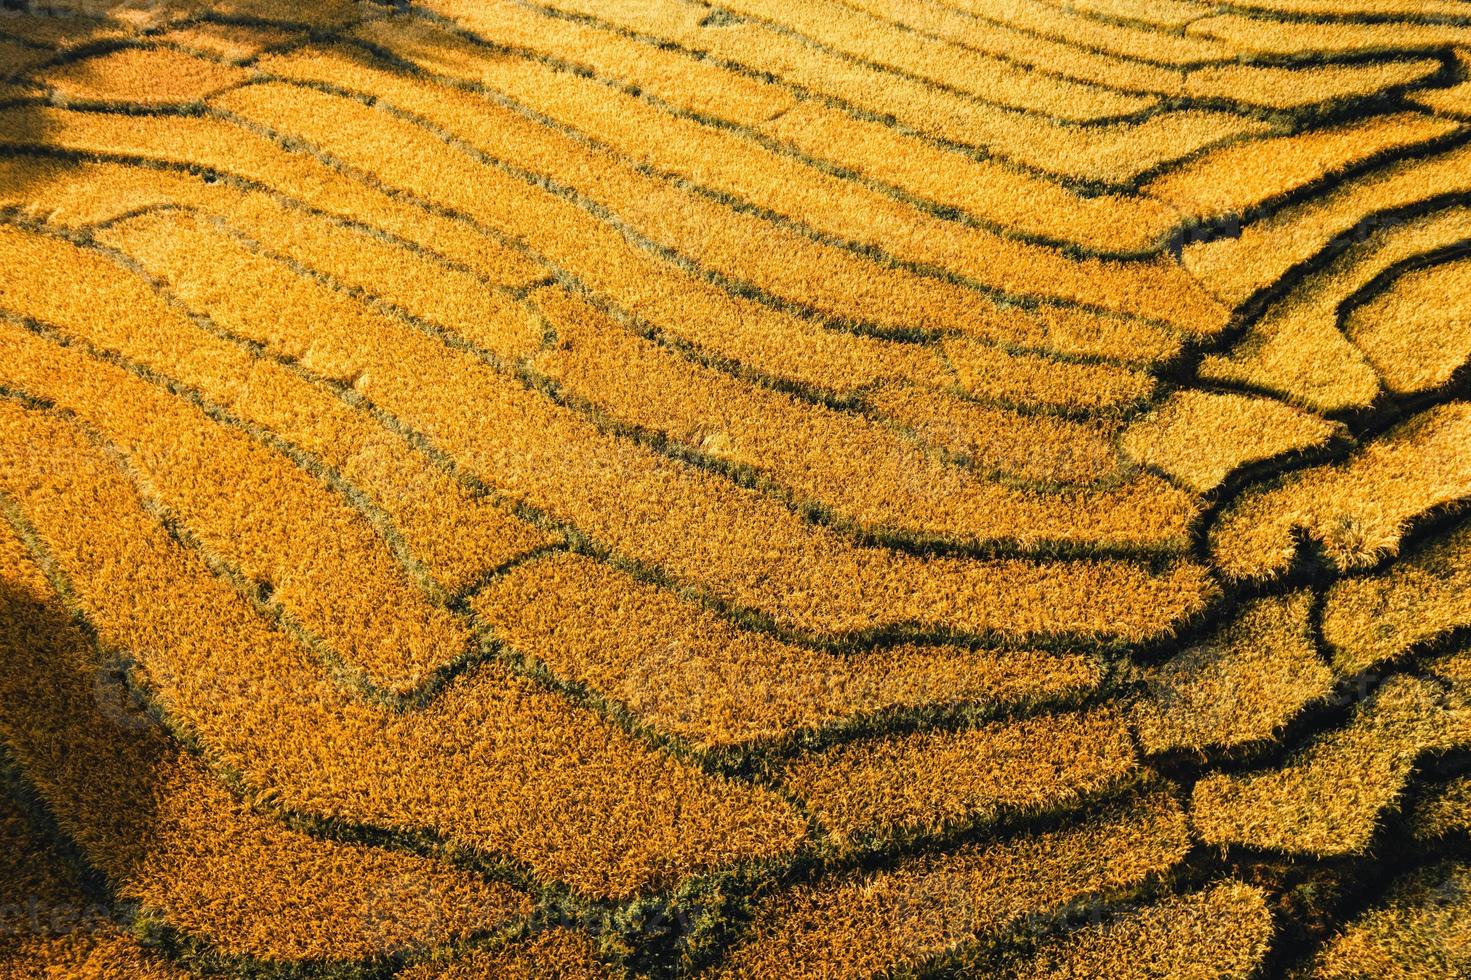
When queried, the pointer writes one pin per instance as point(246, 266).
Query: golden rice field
point(735, 489)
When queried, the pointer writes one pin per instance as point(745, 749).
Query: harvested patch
point(1422, 929)
point(1222, 932)
point(686, 671)
point(919, 786)
point(1005, 442)
point(141, 76)
point(862, 472)
point(1328, 798)
point(1369, 620)
point(1415, 331)
point(1202, 437)
point(1241, 686)
point(1356, 511)
point(928, 907)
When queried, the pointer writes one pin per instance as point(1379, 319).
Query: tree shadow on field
point(83, 763)
point(39, 35)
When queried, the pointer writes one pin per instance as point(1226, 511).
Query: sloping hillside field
point(735, 489)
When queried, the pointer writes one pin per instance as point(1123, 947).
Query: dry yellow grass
point(758, 489)
point(1299, 39)
point(1443, 811)
point(688, 672)
point(743, 246)
point(1235, 268)
point(1220, 933)
point(1328, 798)
point(859, 924)
point(1202, 437)
point(217, 146)
point(1241, 686)
point(303, 547)
point(1115, 153)
point(1355, 511)
point(231, 43)
point(495, 763)
point(52, 926)
point(456, 535)
point(1303, 349)
point(992, 374)
point(705, 530)
point(857, 469)
point(141, 76)
point(1434, 303)
point(1294, 88)
point(1237, 178)
point(1454, 100)
point(859, 38)
point(169, 835)
point(1005, 442)
point(923, 785)
point(1422, 929)
point(1371, 619)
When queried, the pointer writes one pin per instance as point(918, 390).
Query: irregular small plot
point(1241, 686)
point(1422, 929)
point(1417, 332)
point(141, 76)
point(233, 43)
point(1372, 619)
point(1222, 932)
point(1234, 180)
point(1303, 39)
point(1296, 88)
point(1202, 437)
point(688, 672)
point(858, 924)
point(994, 375)
point(1356, 511)
point(557, 953)
point(1298, 347)
point(170, 836)
point(918, 786)
point(1234, 269)
point(494, 764)
point(1328, 798)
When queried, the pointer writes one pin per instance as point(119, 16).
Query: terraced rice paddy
point(678, 488)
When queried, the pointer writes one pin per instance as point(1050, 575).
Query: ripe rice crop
point(674, 489)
